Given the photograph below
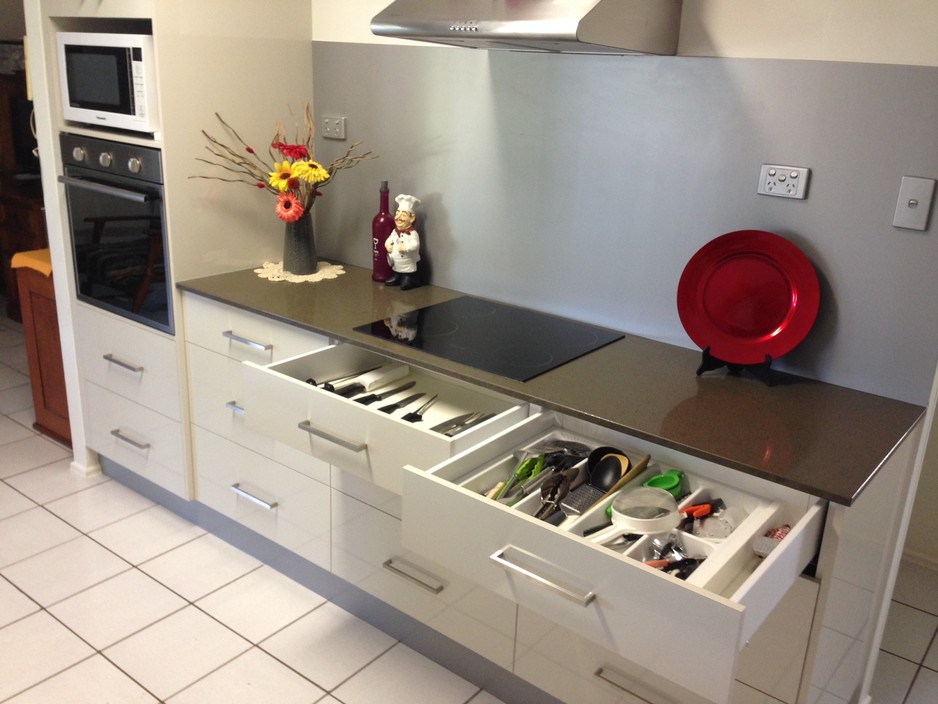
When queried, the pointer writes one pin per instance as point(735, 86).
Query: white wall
point(873, 31)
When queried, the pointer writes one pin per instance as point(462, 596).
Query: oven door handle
point(107, 190)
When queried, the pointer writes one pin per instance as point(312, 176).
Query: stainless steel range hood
point(566, 26)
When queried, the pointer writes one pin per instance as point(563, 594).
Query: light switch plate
point(914, 204)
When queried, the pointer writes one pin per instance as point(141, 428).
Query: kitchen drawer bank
point(610, 598)
point(334, 519)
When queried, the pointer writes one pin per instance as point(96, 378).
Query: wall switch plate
point(333, 126)
point(783, 181)
point(914, 204)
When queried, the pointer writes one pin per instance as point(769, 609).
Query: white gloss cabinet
point(606, 597)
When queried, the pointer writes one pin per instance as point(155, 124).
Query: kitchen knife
point(391, 407)
point(371, 398)
point(374, 379)
point(468, 423)
point(452, 422)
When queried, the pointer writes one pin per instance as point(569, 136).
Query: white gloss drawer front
point(242, 335)
point(136, 437)
point(134, 362)
point(615, 595)
point(287, 400)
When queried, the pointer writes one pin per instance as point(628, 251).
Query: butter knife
point(380, 396)
point(391, 407)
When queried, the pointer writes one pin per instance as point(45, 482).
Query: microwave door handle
point(107, 190)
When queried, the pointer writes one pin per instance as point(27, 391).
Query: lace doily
point(273, 271)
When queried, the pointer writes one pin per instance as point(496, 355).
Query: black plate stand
point(761, 371)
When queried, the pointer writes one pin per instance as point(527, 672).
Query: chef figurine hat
point(407, 203)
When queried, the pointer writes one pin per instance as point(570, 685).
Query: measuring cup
point(642, 511)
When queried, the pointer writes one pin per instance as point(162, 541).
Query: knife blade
point(468, 423)
point(371, 398)
point(452, 422)
point(391, 407)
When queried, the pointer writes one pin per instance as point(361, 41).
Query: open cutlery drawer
point(608, 595)
point(280, 401)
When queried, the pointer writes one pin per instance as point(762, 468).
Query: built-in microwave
point(108, 80)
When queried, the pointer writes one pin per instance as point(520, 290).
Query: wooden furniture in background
point(22, 228)
point(44, 351)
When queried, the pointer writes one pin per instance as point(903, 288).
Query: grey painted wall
point(581, 185)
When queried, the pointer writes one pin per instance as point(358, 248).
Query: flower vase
point(299, 247)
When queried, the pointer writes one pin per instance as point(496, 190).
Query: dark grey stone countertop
point(819, 438)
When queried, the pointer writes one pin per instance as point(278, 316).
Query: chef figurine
point(403, 245)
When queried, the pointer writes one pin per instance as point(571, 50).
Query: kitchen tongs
point(417, 416)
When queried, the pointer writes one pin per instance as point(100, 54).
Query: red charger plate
point(748, 294)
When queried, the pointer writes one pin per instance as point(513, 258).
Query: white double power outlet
point(333, 126)
point(783, 181)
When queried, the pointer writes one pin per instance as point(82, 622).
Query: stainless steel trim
point(500, 559)
point(434, 588)
point(119, 434)
point(306, 426)
point(107, 190)
point(241, 491)
point(233, 406)
point(130, 366)
point(245, 341)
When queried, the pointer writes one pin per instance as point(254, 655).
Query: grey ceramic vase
point(299, 247)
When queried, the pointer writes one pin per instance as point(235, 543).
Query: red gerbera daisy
point(292, 151)
point(288, 207)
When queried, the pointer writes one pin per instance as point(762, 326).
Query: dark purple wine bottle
point(381, 227)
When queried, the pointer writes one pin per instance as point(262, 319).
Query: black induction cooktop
point(513, 342)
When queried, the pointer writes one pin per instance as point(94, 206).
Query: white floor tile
point(14, 355)
point(10, 334)
point(35, 648)
point(64, 570)
point(484, 697)
point(917, 586)
point(147, 534)
point(931, 657)
point(117, 608)
point(10, 377)
point(175, 652)
point(11, 431)
point(31, 532)
point(92, 681)
point(199, 566)
point(403, 676)
point(26, 415)
point(908, 632)
point(260, 603)
point(14, 605)
point(29, 453)
point(16, 399)
point(98, 506)
point(924, 689)
point(13, 502)
point(252, 678)
point(892, 679)
point(53, 481)
point(328, 645)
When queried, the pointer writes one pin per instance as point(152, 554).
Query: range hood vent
point(559, 26)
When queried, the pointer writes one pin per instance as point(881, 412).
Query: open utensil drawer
point(688, 631)
point(362, 439)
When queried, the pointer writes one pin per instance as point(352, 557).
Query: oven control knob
point(78, 153)
point(134, 165)
point(104, 158)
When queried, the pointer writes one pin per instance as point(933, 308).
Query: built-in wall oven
point(114, 194)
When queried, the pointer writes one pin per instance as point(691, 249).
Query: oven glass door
point(118, 245)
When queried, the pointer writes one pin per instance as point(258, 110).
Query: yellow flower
point(281, 175)
point(310, 171)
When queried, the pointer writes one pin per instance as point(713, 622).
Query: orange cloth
point(37, 259)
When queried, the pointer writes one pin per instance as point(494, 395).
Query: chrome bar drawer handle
point(233, 406)
point(306, 426)
point(245, 341)
point(413, 574)
point(241, 491)
point(608, 675)
point(119, 434)
point(135, 368)
point(502, 560)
